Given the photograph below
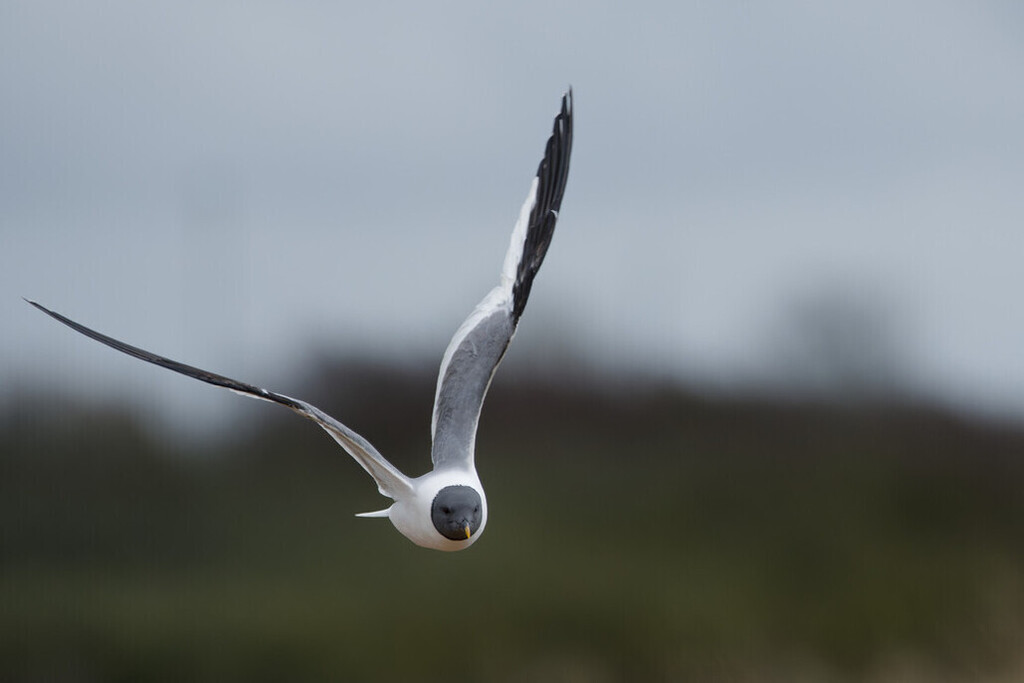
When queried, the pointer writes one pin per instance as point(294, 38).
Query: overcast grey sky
point(238, 184)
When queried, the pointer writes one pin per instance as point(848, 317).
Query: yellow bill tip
point(467, 531)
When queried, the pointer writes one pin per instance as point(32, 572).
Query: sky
point(788, 194)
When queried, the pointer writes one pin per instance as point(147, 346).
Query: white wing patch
point(515, 248)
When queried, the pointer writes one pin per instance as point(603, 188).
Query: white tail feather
point(379, 513)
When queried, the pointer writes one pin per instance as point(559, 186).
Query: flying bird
point(445, 509)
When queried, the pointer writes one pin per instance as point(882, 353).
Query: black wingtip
point(42, 308)
point(176, 366)
point(552, 174)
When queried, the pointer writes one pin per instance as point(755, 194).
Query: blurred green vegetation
point(636, 533)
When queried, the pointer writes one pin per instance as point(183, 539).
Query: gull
point(445, 509)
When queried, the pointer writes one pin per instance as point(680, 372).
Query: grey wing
point(480, 342)
point(390, 481)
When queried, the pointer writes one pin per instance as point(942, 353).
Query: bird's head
point(457, 512)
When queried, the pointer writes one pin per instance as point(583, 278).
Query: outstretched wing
point(480, 342)
point(390, 481)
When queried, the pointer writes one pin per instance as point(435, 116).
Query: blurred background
point(763, 419)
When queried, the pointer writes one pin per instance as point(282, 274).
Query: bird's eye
point(446, 510)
